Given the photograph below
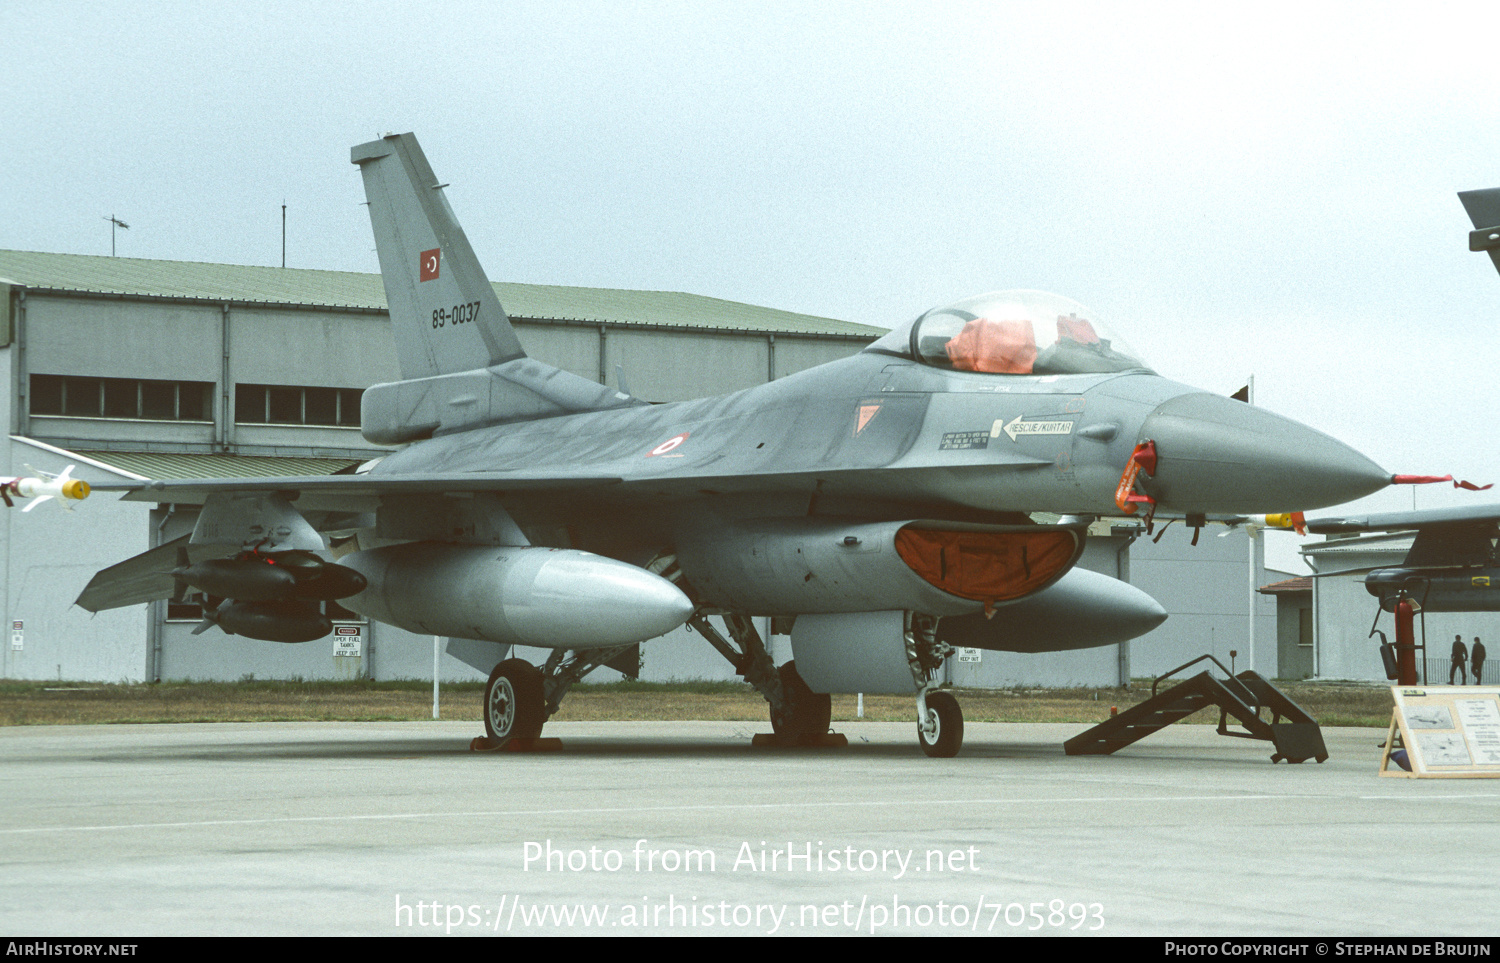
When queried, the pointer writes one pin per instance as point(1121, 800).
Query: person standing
point(1477, 654)
point(1460, 656)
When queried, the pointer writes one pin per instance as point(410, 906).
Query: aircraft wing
point(335, 491)
point(1404, 521)
point(351, 492)
point(1446, 537)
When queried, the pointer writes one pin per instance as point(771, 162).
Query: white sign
point(348, 641)
point(1480, 722)
point(968, 655)
point(17, 634)
point(1018, 427)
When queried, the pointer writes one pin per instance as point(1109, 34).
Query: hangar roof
point(300, 287)
point(174, 465)
point(1355, 544)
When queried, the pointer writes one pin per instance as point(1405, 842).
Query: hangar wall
point(49, 555)
point(1205, 588)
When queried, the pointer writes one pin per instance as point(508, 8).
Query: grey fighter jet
point(1453, 564)
point(879, 505)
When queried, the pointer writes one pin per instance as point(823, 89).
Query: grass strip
point(82, 703)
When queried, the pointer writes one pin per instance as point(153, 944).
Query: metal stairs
point(1293, 732)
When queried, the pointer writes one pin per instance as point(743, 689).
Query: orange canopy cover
point(994, 347)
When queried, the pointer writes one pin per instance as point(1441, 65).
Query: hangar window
point(121, 398)
point(296, 405)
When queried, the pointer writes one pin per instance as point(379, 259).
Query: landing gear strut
point(940, 722)
point(796, 710)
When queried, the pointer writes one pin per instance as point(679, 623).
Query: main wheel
point(944, 731)
point(804, 712)
point(513, 705)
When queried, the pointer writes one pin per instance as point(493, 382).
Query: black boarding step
point(1293, 732)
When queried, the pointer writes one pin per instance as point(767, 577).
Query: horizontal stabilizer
point(145, 578)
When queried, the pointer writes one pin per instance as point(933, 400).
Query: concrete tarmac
point(684, 828)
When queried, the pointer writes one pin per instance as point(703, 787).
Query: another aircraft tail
point(463, 364)
point(1483, 208)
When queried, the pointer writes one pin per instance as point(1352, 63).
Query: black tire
point(804, 712)
point(944, 713)
point(513, 705)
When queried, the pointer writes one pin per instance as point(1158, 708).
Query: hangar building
point(131, 368)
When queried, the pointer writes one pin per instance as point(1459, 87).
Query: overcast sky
point(1267, 189)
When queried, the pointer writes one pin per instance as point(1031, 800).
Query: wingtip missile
point(1278, 521)
point(43, 486)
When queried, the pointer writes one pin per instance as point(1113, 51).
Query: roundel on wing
point(668, 445)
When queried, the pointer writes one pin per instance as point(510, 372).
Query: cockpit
point(1012, 332)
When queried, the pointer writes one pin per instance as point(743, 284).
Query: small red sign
point(429, 265)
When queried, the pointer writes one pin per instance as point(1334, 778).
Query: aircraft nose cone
point(1216, 456)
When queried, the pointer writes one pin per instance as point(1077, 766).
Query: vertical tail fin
point(1483, 208)
point(461, 363)
point(444, 314)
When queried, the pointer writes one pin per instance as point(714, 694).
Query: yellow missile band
point(1283, 520)
point(75, 488)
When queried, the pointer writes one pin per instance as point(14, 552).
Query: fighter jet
point(1452, 565)
point(880, 506)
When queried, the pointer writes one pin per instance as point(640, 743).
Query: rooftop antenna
point(283, 232)
point(114, 222)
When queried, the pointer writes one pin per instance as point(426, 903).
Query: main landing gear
point(519, 697)
point(513, 703)
point(798, 714)
point(803, 712)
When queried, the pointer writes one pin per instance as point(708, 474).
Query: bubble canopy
point(1013, 332)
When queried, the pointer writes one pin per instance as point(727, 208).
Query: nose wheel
point(940, 728)
point(513, 705)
